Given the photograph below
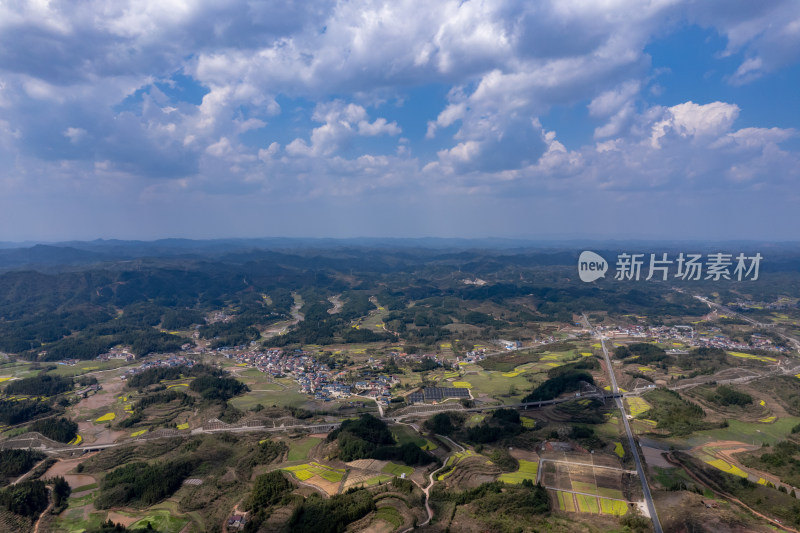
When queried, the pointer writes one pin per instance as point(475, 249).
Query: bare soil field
point(105, 397)
point(367, 464)
point(684, 512)
point(61, 468)
point(98, 433)
point(119, 518)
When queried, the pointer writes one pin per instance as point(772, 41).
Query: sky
point(607, 119)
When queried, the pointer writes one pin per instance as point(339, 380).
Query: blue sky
point(667, 119)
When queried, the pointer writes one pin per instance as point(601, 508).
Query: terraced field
point(307, 471)
point(581, 503)
point(397, 470)
point(468, 470)
point(588, 479)
point(527, 470)
point(761, 358)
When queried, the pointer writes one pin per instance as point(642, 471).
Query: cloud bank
point(230, 118)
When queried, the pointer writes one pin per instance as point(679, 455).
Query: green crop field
point(298, 449)
point(619, 449)
point(280, 398)
point(527, 470)
point(475, 419)
point(371, 482)
point(397, 470)
point(405, 434)
point(565, 501)
point(587, 504)
point(73, 521)
point(748, 432)
point(83, 367)
point(161, 521)
point(613, 507)
point(389, 514)
point(307, 471)
point(495, 385)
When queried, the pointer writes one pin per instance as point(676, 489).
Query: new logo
point(591, 266)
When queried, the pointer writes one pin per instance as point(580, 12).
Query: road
point(313, 428)
point(728, 311)
point(433, 409)
point(320, 428)
point(634, 450)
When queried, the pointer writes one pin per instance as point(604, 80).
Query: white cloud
point(342, 122)
point(695, 120)
point(766, 33)
point(110, 73)
point(611, 101)
point(75, 134)
point(379, 127)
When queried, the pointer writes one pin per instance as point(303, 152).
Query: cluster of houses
point(670, 333)
point(327, 386)
point(624, 331)
point(779, 305)
point(378, 387)
point(412, 358)
point(473, 356)
point(313, 377)
point(275, 361)
point(117, 352)
point(712, 337)
point(726, 343)
point(170, 361)
point(510, 345)
point(219, 316)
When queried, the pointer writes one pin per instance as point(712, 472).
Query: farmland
point(527, 470)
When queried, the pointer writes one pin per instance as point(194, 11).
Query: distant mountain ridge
point(81, 253)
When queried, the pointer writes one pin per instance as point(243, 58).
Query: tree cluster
point(217, 388)
point(16, 412)
point(28, 498)
point(320, 515)
point(143, 484)
point(151, 376)
point(14, 463)
point(566, 378)
point(59, 429)
point(369, 438)
point(726, 395)
point(41, 385)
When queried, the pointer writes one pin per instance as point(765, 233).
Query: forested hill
point(83, 310)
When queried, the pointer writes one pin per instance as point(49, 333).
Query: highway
point(634, 450)
point(326, 427)
point(730, 312)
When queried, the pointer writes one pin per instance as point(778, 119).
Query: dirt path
point(44, 513)
point(427, 489)
point(729, 497)
point(26, 474)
